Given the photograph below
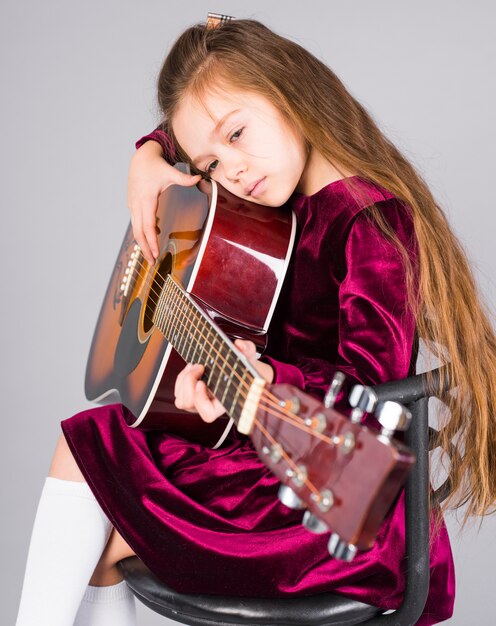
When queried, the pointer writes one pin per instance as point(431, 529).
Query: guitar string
point(270, 399)
point(180, 317)
point(274, 400)
point(289, 415)
point(285, 415)
point(180, 320)
point(289, 460)
point(291, 463)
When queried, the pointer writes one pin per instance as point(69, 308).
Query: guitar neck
point(197, 339)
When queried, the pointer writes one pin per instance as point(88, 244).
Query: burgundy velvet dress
point(210, 521)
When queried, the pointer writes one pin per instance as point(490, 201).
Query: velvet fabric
point(209, 520)
point(162, 138)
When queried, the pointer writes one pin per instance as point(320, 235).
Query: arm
point(165, 142)
point(150, 173)
point(376, 331)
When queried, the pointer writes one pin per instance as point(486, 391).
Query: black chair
point(324, 609)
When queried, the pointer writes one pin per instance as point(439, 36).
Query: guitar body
point(220, 269)
point(230, 256)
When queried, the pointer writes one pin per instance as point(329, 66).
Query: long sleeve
point(375, 329)
point(161, 137)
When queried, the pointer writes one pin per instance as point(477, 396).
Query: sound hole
point(156, 287)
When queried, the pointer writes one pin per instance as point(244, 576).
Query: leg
point(106, 573)
point(70, 534)
point(107, 599)
point(63, 464)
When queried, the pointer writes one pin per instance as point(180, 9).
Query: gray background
point(78, 87)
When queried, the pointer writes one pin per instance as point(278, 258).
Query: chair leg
point(417, 522)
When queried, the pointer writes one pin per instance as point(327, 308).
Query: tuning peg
point(314, 524)
point(334, 389)
point(341, 550)
point(392, 416)
point(289, 498)
point(363, 400)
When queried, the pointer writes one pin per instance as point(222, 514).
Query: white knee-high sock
point(69, 534)
point(107, 606)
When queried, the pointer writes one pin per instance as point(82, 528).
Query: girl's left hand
point(191, 393)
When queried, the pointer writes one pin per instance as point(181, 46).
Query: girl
point(375, 268)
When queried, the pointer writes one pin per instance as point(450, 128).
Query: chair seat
point(203, 610)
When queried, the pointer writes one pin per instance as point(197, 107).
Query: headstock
point(345, 474)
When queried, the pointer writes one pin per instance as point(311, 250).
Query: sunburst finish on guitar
point(231, 257)
point(221, 265)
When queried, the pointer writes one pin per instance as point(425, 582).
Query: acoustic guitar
point(220, 270)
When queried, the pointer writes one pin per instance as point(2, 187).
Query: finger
point(204, 186)
point(247, 348)
point(185, 387)
point(206, 405)
point(186, 180)
point(139, 235)
point(179, 379)
point(150, 230)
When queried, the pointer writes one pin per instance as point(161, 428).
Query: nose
point(234, 167)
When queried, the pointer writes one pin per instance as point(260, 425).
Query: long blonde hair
point(450, 317)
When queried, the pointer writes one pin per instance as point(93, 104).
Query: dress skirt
point(209, 521)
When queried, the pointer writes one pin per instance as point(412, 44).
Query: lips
point(251, 188)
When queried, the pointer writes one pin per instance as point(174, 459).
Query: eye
point(211, 167)
point(235, 136)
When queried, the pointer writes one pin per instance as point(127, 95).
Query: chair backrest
point(414, 392)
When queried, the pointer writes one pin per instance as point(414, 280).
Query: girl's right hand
point(149, 176)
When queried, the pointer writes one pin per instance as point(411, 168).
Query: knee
point(63, 464)
point(106, 571)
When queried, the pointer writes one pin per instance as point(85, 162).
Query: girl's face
point(242, 141)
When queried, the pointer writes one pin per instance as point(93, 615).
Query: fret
point(191, 334)
point(189, 330)
point(229, 382)
point(169, 311)
point(212, 373)
point(165, 310)
point(188, 324)
point(176, 317)
point(155, 316)
point(220, 373)
point(195, 341)
point(176, 332)
point(209, 360)
point(163, 313)
point(241, 389)
point(184, 329)
point(200, 342)
point(166, 317)
point(207, 336)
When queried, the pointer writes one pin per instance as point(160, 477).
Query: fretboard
point(198, 340)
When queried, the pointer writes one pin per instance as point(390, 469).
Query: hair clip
point(215, 20)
